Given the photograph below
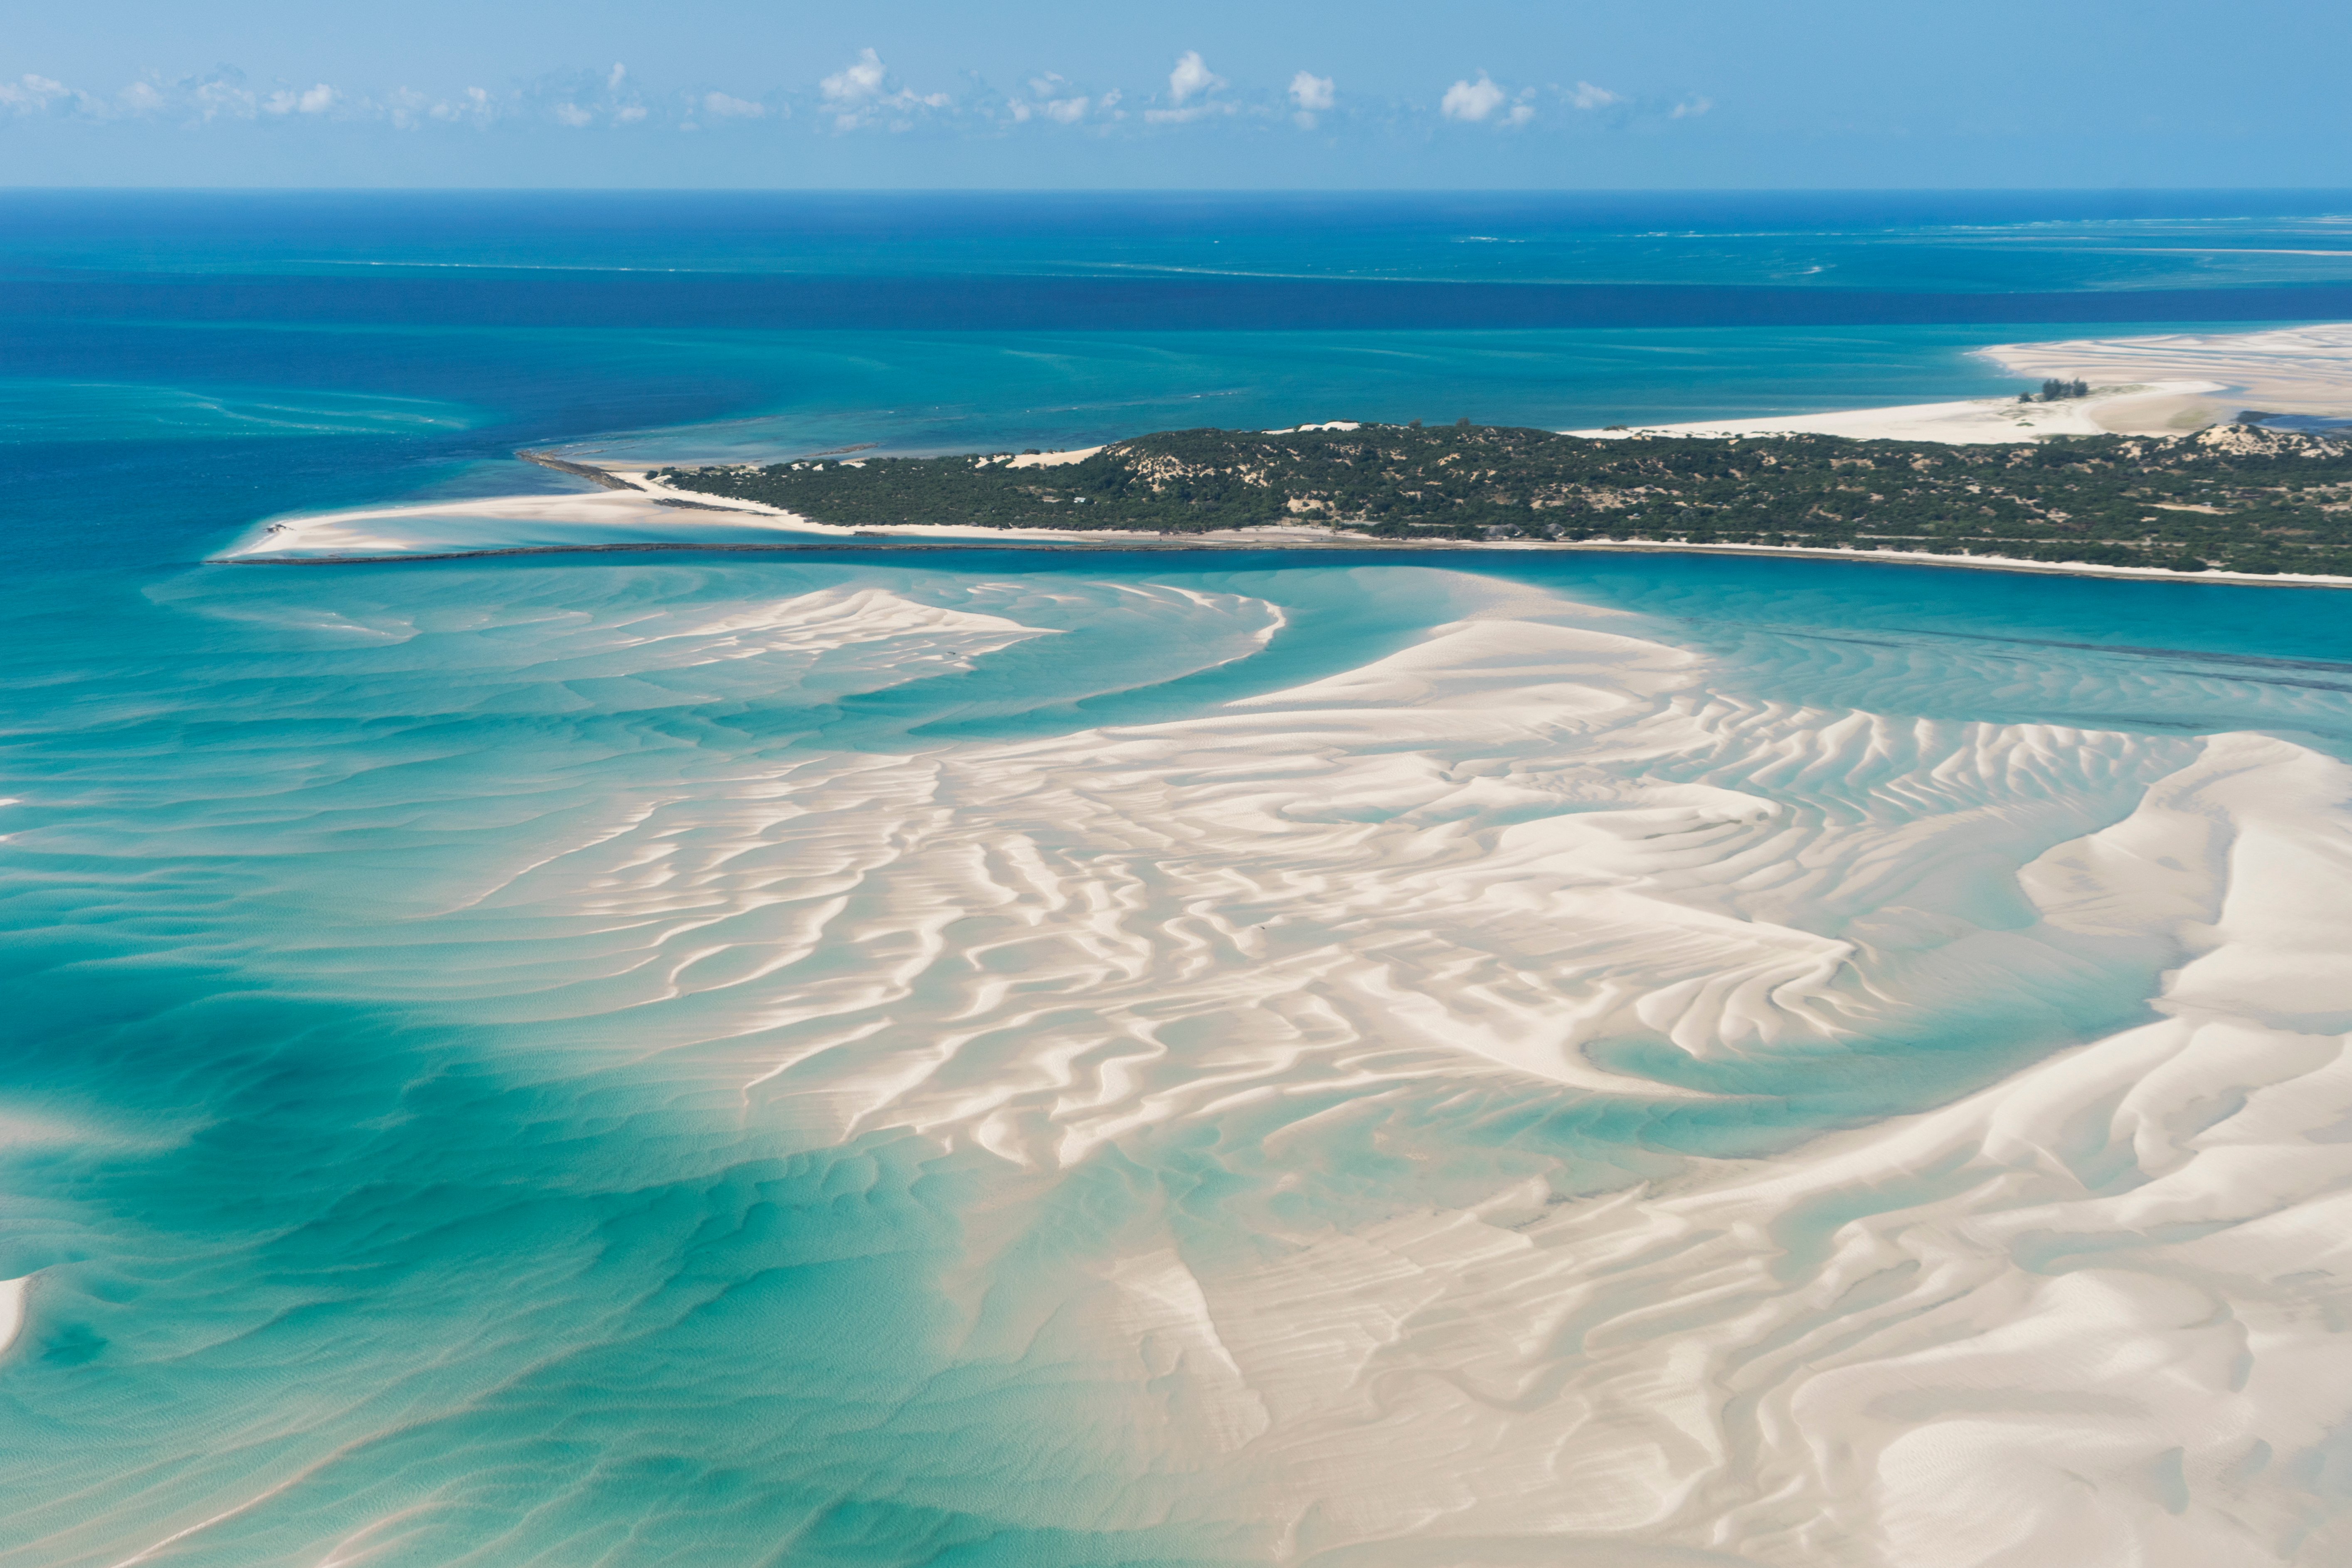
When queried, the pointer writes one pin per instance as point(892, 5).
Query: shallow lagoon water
point(1139, 1058)
point(406, 981)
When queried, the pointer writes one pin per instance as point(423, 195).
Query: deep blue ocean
point(383, 947)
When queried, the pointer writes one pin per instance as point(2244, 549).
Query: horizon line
point(2125, 190)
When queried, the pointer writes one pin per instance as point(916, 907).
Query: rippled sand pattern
point(1525, 1098)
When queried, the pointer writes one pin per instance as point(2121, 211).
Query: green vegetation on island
point(2238, 498)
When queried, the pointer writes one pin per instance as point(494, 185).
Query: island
point(2240, 497)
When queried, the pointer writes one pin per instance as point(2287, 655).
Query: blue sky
point(1284, 93)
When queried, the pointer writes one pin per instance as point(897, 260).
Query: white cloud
point(216, 98)
point(317, 100)
point(1311, 92)
point(1191, 77)
point(33, 93)
point(1472, 101)
point(1587, 96)
point(410, 109)
point(628, 114)
point(858, 93)
point(475, 106)
point(620, 73)
point(855, 82)
point(30, 94)
point(1055, 103)
point(1520, 114)
point(223, 95)
point(718, 106)
point(571, 114)
point(1692, 108)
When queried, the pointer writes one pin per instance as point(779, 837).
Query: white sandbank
point(360, 531)
point(1851, 1352)
point(2291, 370)
point(540, 520)
point(2131, 408)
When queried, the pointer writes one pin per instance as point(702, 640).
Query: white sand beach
point(2126, 408)
point(509, 520)
point(649, 510)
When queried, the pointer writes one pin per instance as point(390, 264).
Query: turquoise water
point(501, 1052)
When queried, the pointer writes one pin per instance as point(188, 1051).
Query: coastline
point(633, 491)
point(2171, 385)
